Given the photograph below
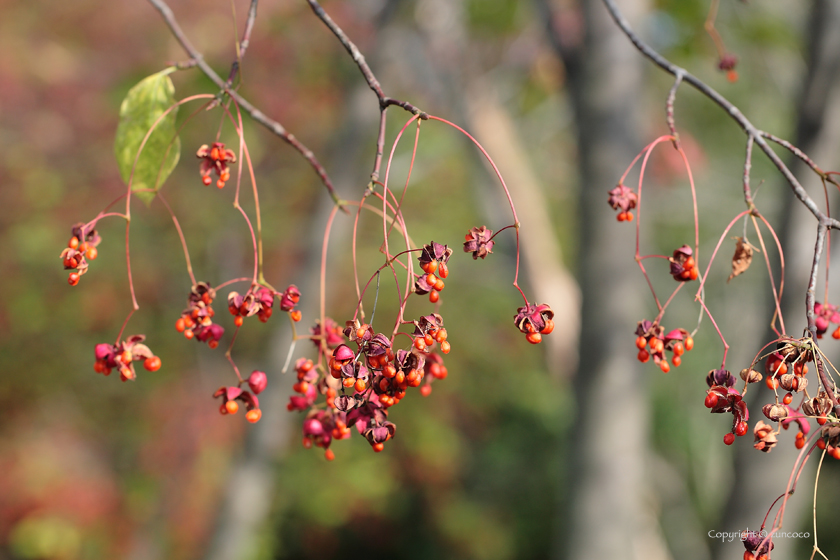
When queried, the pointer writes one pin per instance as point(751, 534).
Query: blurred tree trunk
point(760, 478)
point(609, 512)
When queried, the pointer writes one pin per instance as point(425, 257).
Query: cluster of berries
point(196, 321)
point(259, 301)
point(652, 341)
point(362, 385)
point(257, 382)
point(825, 315)
point(722, 397)
point(122, 357)
point(215, 158)
point(80, 249)
point(534, 320)
point(433, 259)
point(623, 198)
point(683, 267)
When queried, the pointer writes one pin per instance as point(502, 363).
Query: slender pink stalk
point(714, 253)
point(181, 236)
point(507, 193)
point(776, 296)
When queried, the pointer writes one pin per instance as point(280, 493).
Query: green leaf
point(140, 109)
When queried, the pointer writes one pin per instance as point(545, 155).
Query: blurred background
point(571, 449)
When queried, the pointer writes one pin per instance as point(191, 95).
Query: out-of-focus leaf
point(141, 108)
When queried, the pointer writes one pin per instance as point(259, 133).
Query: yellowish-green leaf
point(140, 110)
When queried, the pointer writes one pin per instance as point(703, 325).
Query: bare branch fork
point(758, 137)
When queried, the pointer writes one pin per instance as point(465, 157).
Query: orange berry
point(821, 443)
point(426, 390)
point(835, 452)
point(678, 349)
point(377, 447)
point(430, 267)
point(399, 379)
point(74, 242)
point(732, 76)
point(329, 455)
point(428, 339)
point(213, 344)
point(439, 285)
point(445, 347)
point(238, 320)
point(800, 441)
point(533, 338)
point(443, 270)
point(206, 180)
point(180, 325)
point(295, 315)
point(641, 342)
point(821, 420)
point(689, 262)
point(232, 407)
point(676, 360)
point(628, 216)
point(621, 216)
point(220, 184)
point(420, 344)
point(360, 385)
point(836, 334)
point(664, 366)
point(694, 274)
point(772, 383)
point(253, 415)
point(188, 334)
point(689, 343)
point(73, 279)
point(348, 382)
point(434, 296)
point(92, 253)
point(548, 328)
point(152, 364)
point(787, 398)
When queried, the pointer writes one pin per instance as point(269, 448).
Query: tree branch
point(272, 125)
point(757, 135)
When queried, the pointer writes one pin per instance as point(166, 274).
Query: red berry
point(664, 366)
point(434, 296)
point(152, 364)
point(253, 415)
point(295, 315)
point(643, 356)
point(641, 342)
point(533, 338)
point(232, 407)
point(180, 326)
point(821, 420)
point(430, 267)
point(91, 253)
point(689, 343)
point(800, 441)
point(445, 347)
point(621, 216)
point(548, 328)
point(74, 242)
point(206, 180)
point(821, 443)
point(377, 447)
point(787, 398)
point(678, 349)
point(443, 270)
point(426, 390)
point(238, 320)
point(628, 216)
point(329, 455)
point(729, 438)
point(73, 279)
point(676, 360)
point(420, 344)
point(741, 428)
point(711, 400)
